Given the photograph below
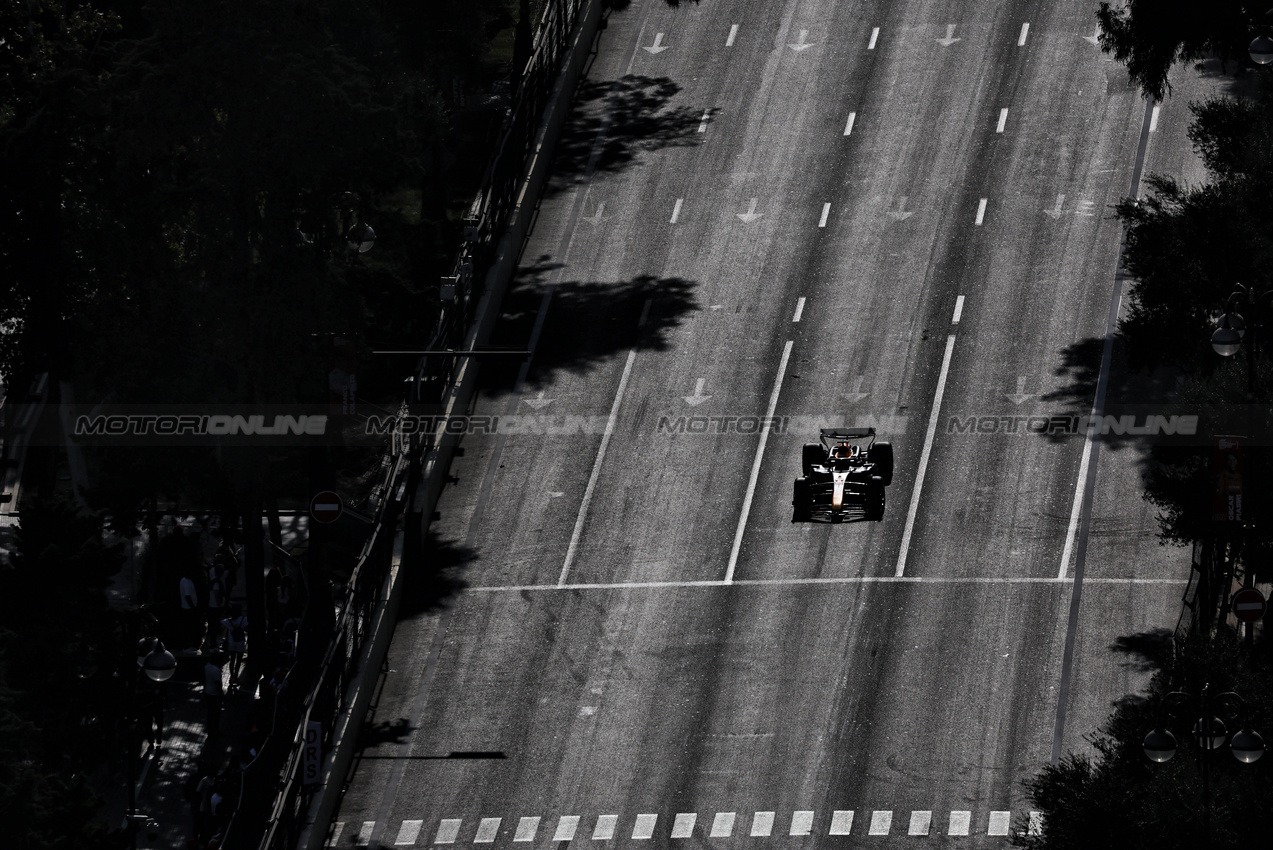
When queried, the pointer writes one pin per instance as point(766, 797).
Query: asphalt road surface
point(767, 217)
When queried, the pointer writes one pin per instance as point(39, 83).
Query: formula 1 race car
point(844, 477)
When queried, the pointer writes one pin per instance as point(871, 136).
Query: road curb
point(437, 463)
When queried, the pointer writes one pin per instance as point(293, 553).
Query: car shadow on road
point(586, 323)
point(612, 123)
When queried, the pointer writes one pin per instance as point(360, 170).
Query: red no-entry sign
point(1249, 605)
point(326, 506)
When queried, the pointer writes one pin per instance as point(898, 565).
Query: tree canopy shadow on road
point(588, 322)
point(1145, 652)
point(641, 119)
point(434, 578)
point(1129, 392)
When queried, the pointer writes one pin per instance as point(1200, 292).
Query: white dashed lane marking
point(526, 829)
point(733, 33)
point(723, 825)
point(1153, 119)
point(826, 211)
point(646, 826)
point(605, 827)
point(676, 211)
point(566, 826)
point(848, 127)
point(1003, 120)
point(799, 310)
point(1025, 29)
point(409, 832)
point(981, 211)
point(875, 34)
point(881, 823)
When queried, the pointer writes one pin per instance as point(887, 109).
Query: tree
point(1117, 798)
point(1150, 36)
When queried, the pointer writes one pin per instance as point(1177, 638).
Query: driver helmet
point(845, 450)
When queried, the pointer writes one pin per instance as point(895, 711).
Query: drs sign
point(312, 762)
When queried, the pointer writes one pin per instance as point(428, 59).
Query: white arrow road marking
point(733, 33)
point(1055, 212)
point(539, 402)
point(981, 211)
point(659, 46)
point(751, 214)
point(826, 211)
point(1025, 29)
point(596, 218)
point(875, 33)
point(900, 213)
point(676, 211)
point(1020, 395)
point(698, 397)
point(857, 394)
point(801, 43)
point(848, 128)
point(950, 36)
point(1094, 38)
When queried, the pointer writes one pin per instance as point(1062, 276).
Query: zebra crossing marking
point(998, 824)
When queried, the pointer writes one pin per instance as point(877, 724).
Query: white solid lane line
point(799, 309)
point(826, 211)
point(733, 33)
point(875, 33)
point(923, 457)
point(981, 211)
point(794, 582)
point(755, 466)
point(848, 127)
point(1003, 120)
point(596, 470)
point(959, 310)
point(1025, 28)
point(676, 211)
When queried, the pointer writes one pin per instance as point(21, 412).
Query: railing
point(496, 201)
point(279, 766)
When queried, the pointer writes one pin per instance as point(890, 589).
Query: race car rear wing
point(830, 436)
point(848, 433)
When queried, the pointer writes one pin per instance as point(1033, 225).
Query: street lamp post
point(1232, 330)
point(1210, 734)
point(158, 664)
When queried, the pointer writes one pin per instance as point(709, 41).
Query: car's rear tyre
point(801, 501)
point(810, 456)
point(875, 499)
point(881, 454)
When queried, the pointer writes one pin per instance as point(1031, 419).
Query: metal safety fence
point(284, 768)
